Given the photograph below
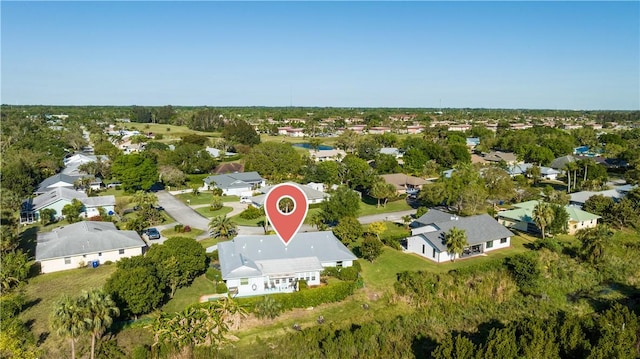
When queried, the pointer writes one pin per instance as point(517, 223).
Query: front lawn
point(247, 222)
point(203, 198)
point(170, 232)
point(208, 213)
point(206, 243)
point(368, 206)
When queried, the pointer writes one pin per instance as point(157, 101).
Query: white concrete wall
point(415, 245)
point(235, 191)
point(58, 264)
point(576, 226)
point(521, 226)
point(284, 286)
point(497, 245)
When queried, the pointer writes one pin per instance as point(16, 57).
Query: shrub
point(267, 308)
point(251, 213)
point(421, 211)
point(213, 274)
point(221, 288)
point(302, 284)
point(348, 274)
point(178, 228)
point(186, 229)
point(141, 351)
point(213, 256)
point(159, 136)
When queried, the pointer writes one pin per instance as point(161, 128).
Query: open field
point(169, 132)
point(368, 206)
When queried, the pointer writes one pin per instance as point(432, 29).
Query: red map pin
point(285, 222)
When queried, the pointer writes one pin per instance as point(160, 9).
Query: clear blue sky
point(571, 55)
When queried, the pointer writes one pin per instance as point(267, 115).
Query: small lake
point(308, 146)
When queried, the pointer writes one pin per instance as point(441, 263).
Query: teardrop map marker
point(285, 222)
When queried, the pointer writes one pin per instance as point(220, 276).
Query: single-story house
point(561, 162)
point(393, 151)
point(57, 180)
point(404, 183)
point(472, 142)
point(82, 243)
point(59, 197)
point(234, 184)
point(521, 169)
point(72, 163)
point(313, 195)
point(499, 156)
point(327, 155)
point(428, 234)
point(521, 218)
point(258, 265)
point(215, 153)
point(616, 193)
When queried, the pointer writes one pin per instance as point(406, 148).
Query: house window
point(100, 254)
point(489, 244)
point(120, 251)
point(339, 264)
point(423, 248)
point(244, 281)
point(503, 240)
point(433, 253)
point(67, 260)
point(313, 277)
point(277, 281)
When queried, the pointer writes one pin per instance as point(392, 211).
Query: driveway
point(181, 212)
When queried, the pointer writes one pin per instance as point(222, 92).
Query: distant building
point(327, 155)
point(234, 184)
point(521, 218)
point(313, 195)
point(404, 183)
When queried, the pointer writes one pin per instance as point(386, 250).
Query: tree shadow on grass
point(422, 346)
point(28, 241)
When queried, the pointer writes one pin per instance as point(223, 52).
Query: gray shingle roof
point(479, 229)
point(60, 177)
point(250, 256)
point(55, 195)
point(84, 238)
point(234, 180)
point(311, 193)
point(433, 216)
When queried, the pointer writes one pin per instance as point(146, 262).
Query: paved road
point(391, 217)
point(181, 212)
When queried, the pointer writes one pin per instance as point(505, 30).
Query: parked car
point(114, 185)
point(153, 233)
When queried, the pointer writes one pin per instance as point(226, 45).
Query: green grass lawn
point(206, 243)
point(208, 213)
point(381, 274)
point(368, 207)
point(44, 290)
point(247, 222)
point(170, 232)
point(189, 295)
point(203, 198)
point(169, 132)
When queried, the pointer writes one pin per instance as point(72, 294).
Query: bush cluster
point(251, 213)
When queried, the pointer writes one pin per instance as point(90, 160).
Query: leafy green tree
point(274, 160)
point(172, 176)
point(322, 172)
point(377, 228)
point(47, 216)
point(368, 148)
point(348, 230)
point(240, 131)
point(458, 347)
point(501, 343)
point(356, 172)
point(268, 308)
point(543, 216)
point(560, 222)
point(73, 210)
point(456, 241)
point(222, 228)
point(99, 311)
point(343, 202)
point(347, 141)
point(14, 269)
point(135, 171)
point(526, 271)
point(371, 248)
point(559, 198)
point(618, 338)
point(498, 184)
point(68, 320)
point(599, 205)
point(382, 190)
point(216, 203)
point(178, 261)
point(135, 287)
point(137, 223)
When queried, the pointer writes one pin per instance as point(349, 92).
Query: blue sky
point(570, 55)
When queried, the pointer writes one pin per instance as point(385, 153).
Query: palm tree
point(593, 242)
point(222, 228)
point(68, 320)
point(99, 314)
point(543, 216)
point(456, 241)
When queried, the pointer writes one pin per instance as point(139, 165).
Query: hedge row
point(306, 298)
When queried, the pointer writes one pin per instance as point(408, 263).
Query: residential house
point(547, 173)
point(59, 197)
point(379, 130)
point(290, 131)
point(414, 129)
point(215, 153)
point(561, 162)
point(258, 265)
point(311, 192)
point(72, 164)
point(83, 243)
point(472, 142)
point(404, 183)
point(499, 156)
point(483, 233)
point(459, 127)
point(327, 155)
point(393, 151)
point(616, 193)
point(234, 184)
point(521, 218)
point(58, 180)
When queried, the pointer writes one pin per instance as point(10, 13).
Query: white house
point(81, 244)
point(258, 265)
point(484, 234)
point(327, 155)
point(55, 181)
point(313, 195)
point(547, 173)
point(234, 184)
point(72, 164)
point(215, 153)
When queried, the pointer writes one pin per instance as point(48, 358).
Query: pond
point(308, 146)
